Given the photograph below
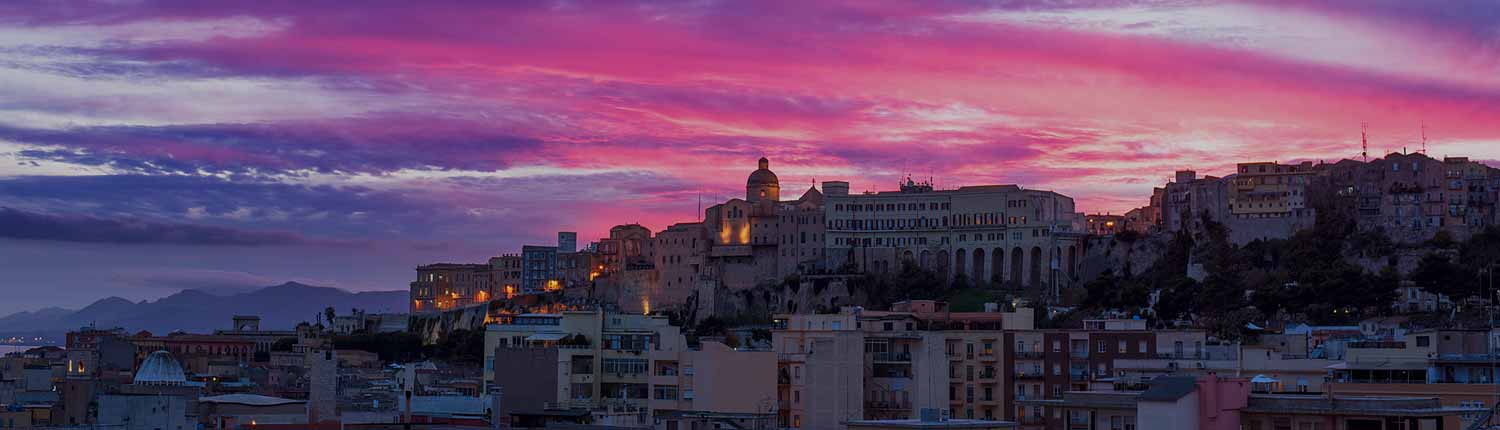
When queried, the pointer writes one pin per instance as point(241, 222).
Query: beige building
point(890, 365)
point(1454, 366)
point(712, 379)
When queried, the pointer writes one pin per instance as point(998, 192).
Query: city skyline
point(171, 145)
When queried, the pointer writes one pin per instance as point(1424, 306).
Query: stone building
point(761, 238)
point(1001, 234)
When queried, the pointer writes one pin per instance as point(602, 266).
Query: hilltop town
point(1351, 292)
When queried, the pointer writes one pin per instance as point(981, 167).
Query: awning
point(1263, 379)
point(546, 337)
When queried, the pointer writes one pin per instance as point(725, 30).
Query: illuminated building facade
point(445, 286)
point(761, 238)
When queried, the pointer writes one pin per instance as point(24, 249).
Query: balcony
point(1030, 355)
point(987, 376)
point(955, 356)
point(891, 357)
point(1032, 420)
point(988, 356)
point(1029, 374)
point(1079, 353)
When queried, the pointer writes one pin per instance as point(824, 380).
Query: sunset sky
point(151, 146)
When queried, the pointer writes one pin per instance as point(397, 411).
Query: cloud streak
point(17, 224)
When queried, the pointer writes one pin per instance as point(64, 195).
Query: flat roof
point(1371, 406)
point(919, 424)
point(250, 400)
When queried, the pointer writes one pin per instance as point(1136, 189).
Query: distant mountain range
point(197, 311)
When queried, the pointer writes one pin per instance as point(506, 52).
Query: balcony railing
point(1180, 355)
point(888, 406)
point(1029, 374)
point(1030, 355)
point(892, 357)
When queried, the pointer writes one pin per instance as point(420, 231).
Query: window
point(664, 393)
point(1423, 341)
point(624, 365)
point(1122, 347)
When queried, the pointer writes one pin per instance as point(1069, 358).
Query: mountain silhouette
point(195, 311)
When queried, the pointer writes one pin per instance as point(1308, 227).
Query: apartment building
point(597, 361)
point(890, 365)
point(1455, 366)
point(444, 286)
point(1047, 363)
point(1210, 402)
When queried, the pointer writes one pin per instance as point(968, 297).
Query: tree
point(1442, 239)
point(329, 313)
point(1437, 274)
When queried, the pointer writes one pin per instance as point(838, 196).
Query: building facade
point(992, 234)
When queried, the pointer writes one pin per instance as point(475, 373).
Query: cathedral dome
point(763, 184)
point(763, 175)
point(160, 369)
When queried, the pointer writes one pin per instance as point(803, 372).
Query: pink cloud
point(851, 90)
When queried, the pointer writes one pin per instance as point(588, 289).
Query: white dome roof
point(160, 369)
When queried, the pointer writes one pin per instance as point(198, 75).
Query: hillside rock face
point(1108, 253)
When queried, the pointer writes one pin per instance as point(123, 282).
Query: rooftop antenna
point(1424, 137)
point(1364, 143)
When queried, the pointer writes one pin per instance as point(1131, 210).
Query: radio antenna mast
point(1364, 143)
point(1424, 137)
